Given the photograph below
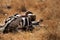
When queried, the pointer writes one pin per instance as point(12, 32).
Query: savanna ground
point(48, 10)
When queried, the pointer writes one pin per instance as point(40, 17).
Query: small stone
point(8, 7)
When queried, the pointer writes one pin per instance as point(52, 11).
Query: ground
point(48, 10)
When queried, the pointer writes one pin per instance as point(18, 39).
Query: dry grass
point(48, 10)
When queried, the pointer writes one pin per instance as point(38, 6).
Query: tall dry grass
point(48, 10)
